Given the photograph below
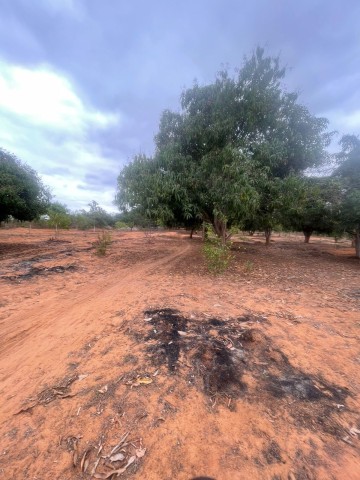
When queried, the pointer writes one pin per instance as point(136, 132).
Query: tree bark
point(267, 236)
point(307, 234)
point(192, 232)
point(220, 229)
point(357, 244)
point(307, 238)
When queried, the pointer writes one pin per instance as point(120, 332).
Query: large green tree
point(222, 157)
point(348, 172)
point(22, 193)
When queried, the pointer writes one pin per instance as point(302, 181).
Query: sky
point(83, 82)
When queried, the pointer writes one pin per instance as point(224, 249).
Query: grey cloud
point(56, 171)
point(100, 177)
point(135, 58)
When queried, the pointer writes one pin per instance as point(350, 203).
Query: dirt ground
point(141, 364)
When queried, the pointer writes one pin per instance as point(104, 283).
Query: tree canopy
point(22, 193)
point(348, 172)
point(222, 158)
point(314, 206)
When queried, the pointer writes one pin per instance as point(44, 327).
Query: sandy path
point(39, 338)
point(83, 334)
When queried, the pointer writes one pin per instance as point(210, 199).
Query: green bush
point(119, 224)
point(217, 256)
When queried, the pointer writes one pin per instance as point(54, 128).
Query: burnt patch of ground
point(272, 453)
point(17, 248)
point(57, 240)
point(167, 324)
point(230, 359)
point(36, 271)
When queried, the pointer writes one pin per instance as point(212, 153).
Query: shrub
point(119, 224)
point(104, 240)
point(248, 266)
point(217, 256)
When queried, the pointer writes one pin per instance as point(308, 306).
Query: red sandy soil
point(262, 382)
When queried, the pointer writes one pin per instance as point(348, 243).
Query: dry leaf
point(291, 476)
point(104, 389)
point(103, 475)
point(180, 332)
point(119, 457)
point(117, 447)
point(84, 462)
point(81, 377)
point(58, 392)
point(346, 439)
point(117, 472)
point(26, 409)
point(122, 470)
point(142, 381)
point(75, 453)
point(95, 466)
point(140, 452)
point(354, 432)
point(75, 458)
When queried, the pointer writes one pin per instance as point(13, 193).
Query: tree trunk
point(220, 229)
point(357, 244)
point(192, 232)
point(307, 234)
point(203, 232)
point(267, 236)
point(307, 237)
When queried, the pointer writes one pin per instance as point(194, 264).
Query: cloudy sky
point(83, 82)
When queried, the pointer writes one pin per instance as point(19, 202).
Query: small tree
point(313, 206)
point(59, 216)
point(98, 216)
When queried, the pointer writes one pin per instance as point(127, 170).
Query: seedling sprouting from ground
point(248, 266)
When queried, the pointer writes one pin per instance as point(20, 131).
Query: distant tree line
point(23, 197)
